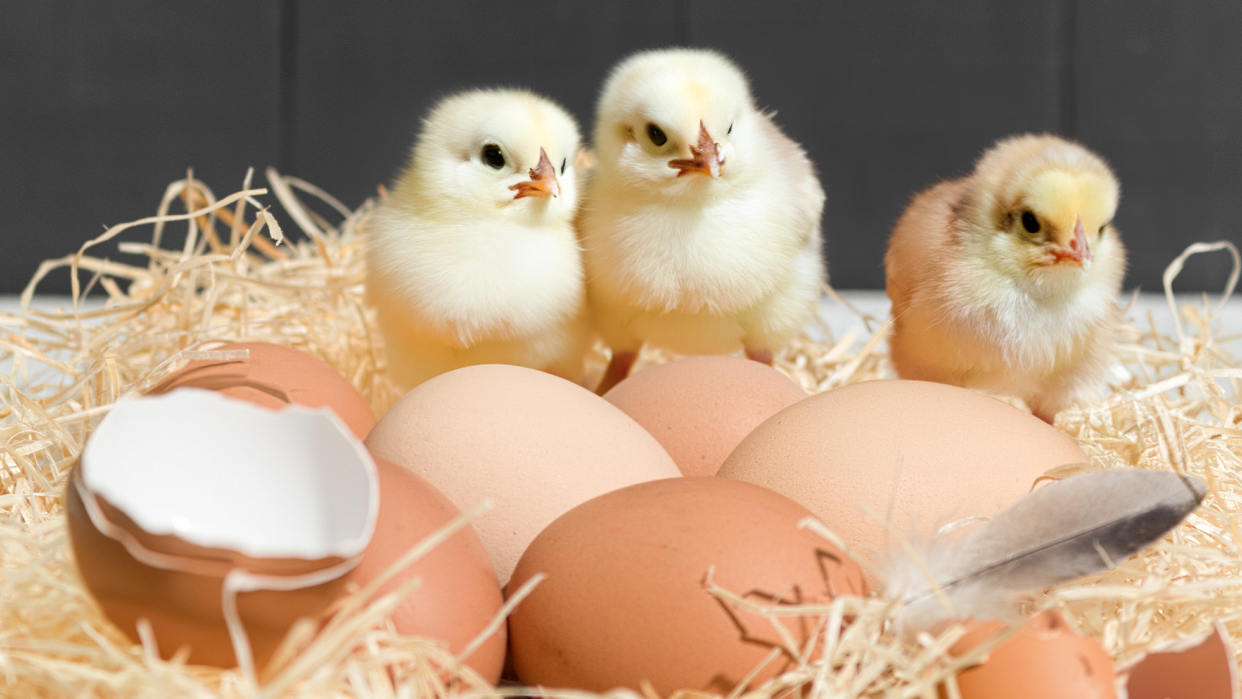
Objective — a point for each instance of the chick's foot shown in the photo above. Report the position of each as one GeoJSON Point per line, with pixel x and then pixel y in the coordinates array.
{"type": "Point", "coordinates": [618, 368]}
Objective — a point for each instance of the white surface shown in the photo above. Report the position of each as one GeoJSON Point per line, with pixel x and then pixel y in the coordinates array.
{"type": "Point", "coordinates": [13, 304]}
{"type": "Point", "coordinates": [220, 472]}
{"type": "Point", "coordinates": [841, 320]}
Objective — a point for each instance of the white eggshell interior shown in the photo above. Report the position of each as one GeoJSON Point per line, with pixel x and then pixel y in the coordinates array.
{"type": "Point", "coordinates": [220, 472]}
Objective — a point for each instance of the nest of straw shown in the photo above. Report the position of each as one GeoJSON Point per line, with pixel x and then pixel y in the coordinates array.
{"type": "Point", "coordinates": [230, 280]}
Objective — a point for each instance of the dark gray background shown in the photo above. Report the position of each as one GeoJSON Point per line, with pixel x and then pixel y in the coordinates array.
{"type": "Point", "coordinates": [103, 104]}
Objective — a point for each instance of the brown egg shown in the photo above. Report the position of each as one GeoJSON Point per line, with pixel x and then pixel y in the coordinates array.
{"type": "Point", "coordinates": [937, 453]}
{"type": "Point", "coordinates": [457, 595]}
{"type": "Point", "coordinates": [536, 444]}
{"type": "Point", "coordinates": [1204, 670]}
{"type": "Point", "coordinates": [625, 599]}
{"type": "Point", "coordinates": [1045, 659]}
{"type": "Point", "coordinates": [699, 408]}
{"type": "Point", "coordinates": [273, 377]}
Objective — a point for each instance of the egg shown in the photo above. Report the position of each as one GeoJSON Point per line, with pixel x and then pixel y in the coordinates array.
{"type": "Point", "coordinates": [929, 452]}
{"type": "Point", "coordinates": [535, 444]}
{"type": "Point", "coordinates": [274, 376]}
{"type": "Point", "coordinates": [699, 408]}
{"type": "Point", "coordinates": [457, 594]}
{"type": "Point", "coordinates": [626, 601]}
{"type": "Point", "coordinates": [186, 506]}
{"type": "Point", "coordinates": [1045, 659]}
{"type": "Point", "coordinates": [1204, 668]}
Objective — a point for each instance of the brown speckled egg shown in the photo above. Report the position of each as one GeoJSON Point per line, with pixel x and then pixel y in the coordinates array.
{"type": "Point", "coordinates": [536, 444]}
{"type": "Point", "coordinates": [274, 376]}
{"type": "Point", "coordinates": [699, 408]}
{"type": "Point", "coordinates": [1045, 659]}
{"type": "Point", "coordinates": [937, 453]}
{"type": "Point", "coordinates": [457, 595]}
{"type": "Point", "coordinates": [625, 600]}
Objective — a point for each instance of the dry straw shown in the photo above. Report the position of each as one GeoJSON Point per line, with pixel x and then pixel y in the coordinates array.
{"type": "Point", "coordinates": [231, 279]}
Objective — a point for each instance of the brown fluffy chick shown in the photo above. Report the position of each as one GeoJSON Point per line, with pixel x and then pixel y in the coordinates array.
{"type": "Point", "coordinates": [1007, 280]}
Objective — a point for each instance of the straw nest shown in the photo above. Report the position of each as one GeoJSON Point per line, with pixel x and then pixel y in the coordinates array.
{"type": "Point", "coordinates": [230, 279]}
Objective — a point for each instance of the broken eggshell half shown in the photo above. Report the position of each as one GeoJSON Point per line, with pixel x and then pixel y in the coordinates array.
{"type": "Point", "coordinates": [1044, 659]}
{"type": "Point", "coordinates": [1205, 667]}
{"type": "Point", "coordinates": [219, 522]}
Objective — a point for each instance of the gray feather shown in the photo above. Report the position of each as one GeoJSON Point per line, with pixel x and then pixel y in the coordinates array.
{"type": "Point", "coordinates": [1071, 528]}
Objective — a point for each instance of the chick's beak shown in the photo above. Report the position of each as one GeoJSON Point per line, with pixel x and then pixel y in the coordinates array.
{"type": "Point", "coordinates": [1077, 250]}
{"type": "Point", "coordinates": [543, 182]}
{"type": "Point", "coordinates": [706, 158]}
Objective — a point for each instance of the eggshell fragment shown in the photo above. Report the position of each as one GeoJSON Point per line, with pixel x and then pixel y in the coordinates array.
{"type": "Point", "coordinates": [937, 453]}
{"type": "Point", "coordinates": [699, 408]}
{"type": "Point", "coordinates": [1045, 659]}
{"type": "Point", "coordinates": [534, 443]}
{"type": "Point", "coordinates": [274, 376]}
{"type": "Point", "coordinates": [457, 594]}
{"type": "Point", "coordinates": [626, 598]}
{"type": "Point", "coordinates": [1207, 669]}
{"type": "Point", "coordinates": [184, 608]}
{"type": "Point", "coordinates": [184, 503]}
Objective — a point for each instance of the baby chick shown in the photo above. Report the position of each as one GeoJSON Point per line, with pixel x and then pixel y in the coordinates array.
{"type": "Point", "coordinates": [473, 258]}
{"type": "Point", "coordinates": [700, 229]}
{"type": "Point", "coordinates": [1007, 280]}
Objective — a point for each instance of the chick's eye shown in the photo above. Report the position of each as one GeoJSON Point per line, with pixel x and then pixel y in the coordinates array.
{"type": "Point", "coordinates": [730, 129]}
{"type": "Point", "coordinates": [1029, 222]}
{"type": "Point", "coordinates": [563, 161]}
{"type": "Point", "coordinates": [1102, 228]}
{"type": "Point", "coordinates": [656, 135]}
{"type": "Point", "coordinates": [492, 156]}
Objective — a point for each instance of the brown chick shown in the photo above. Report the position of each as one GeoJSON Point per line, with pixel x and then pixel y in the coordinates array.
{"type": "Point", "coordinates": [1007, 280]}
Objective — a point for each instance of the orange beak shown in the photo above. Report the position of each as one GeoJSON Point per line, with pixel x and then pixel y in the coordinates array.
{"type": "Point", "coordinates": [543, 182]}
{"type": "Point", "coordinates": [1077, 251]}
{"type": "Point", "coordinates": [706, 158]}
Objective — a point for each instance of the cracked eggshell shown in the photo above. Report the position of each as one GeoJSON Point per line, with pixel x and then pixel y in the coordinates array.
{"type": "Point", "coordinates": [625, 600]}
{"type": "Point", "coordinates": [534, 443]}
{"type": "Point", "coordinates": [175, 492]}
{"type": "Point", "coordinates": [1204, 668]}
{"type": "Point", "coordinates": [457, 595]}
{"type": "Point", "coordinates": [1045, 659]}
{"type": "Point", "coordinates": [699, 408]}
{"type": "Point", "coordinates": [274, 376]}
{"type": "Point", "coordinates": [937, 453]}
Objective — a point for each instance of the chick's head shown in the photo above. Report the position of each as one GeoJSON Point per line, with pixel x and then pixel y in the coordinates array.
{"type": "Point", "coordinates": [1046, 207]}
{"type": "Point", "coordinates": [495, 153]}
{"type": "Point", "coordinates": [676, 121]}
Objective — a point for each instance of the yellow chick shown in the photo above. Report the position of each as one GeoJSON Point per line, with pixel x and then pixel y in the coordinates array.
{"type": "Point", "coordinates": [473, 258]}
{"type": "Point", "coordinates": [1007, 280]}
{"type": "Point", "coordinates": [700, 226]}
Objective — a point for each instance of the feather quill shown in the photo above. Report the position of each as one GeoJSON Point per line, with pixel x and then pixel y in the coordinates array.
{"type": "Point", "coordinates": [1071, 528]}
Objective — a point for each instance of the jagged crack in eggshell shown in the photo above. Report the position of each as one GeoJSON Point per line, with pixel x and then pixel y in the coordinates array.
{"type": "Point", "coordinates": [700, 408]}
{"type": "Point", "coordinates": [274, 376]}
{"type": "Point", "coordinates": [457, 594]}
{"type": "Point", "coordinates": [536, 444]}
{"type": "Point", "coordinates": [1204, 670]}
{"type": "Point", "coordinates": [1045, 659]}
{"type": "Point", "coordinates": [219, 472]}
{"type": "Point", "coordinates": [937, 453]}
{"type": "Point", "coordinates": [625, 600]}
